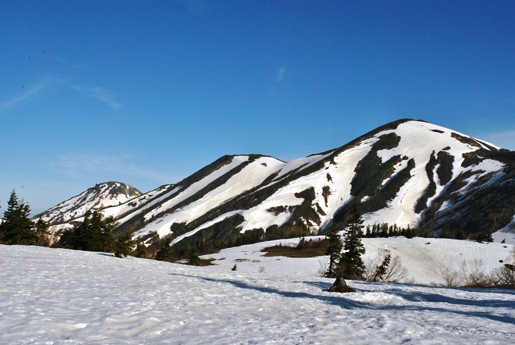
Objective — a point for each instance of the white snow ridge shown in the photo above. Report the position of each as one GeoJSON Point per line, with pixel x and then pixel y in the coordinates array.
{"type": "Point", "coordinates": [56, 296]}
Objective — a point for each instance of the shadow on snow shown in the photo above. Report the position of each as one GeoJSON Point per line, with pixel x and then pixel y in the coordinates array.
{"type": "Point", "coordinates": [411, 296]}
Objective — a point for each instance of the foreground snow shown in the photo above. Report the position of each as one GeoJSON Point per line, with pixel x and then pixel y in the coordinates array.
{"type": "Point", "coordinates": [54, 296]}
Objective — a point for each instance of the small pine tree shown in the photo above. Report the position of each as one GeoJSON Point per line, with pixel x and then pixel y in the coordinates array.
{"type": "Point", "coordinates": [42, 233]}
{"type": "Point", "coordinates": [141, 249]}
{"type": "Point", "coordinates": [165, 253]}
{"type": "Point", "coordinates": [302, 244]}
{"type": "Point", "coordinates": [123, 245]}
{"type": "Point", "coordinates": [381, 269]}
{"type": "Point", "coordinates": [109, 242]}
{"type": "Point", "coordinates": [333, 250]}
{"type": "Point", "coordinates": [17, 227]}
{"type": "Point", "coordinates": [351, 265]}
{"type": "Point", "coordinates": [98, 239]}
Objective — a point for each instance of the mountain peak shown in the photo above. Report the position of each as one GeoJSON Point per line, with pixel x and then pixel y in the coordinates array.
{"type": "Point", "coordinates": [407, 172]}
{"type": "Point", "coordinates": [95, 198]}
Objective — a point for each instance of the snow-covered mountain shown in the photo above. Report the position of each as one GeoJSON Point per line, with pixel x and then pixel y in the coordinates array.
{"type": "Point", "coordinates": [409, 173]}
{"type": "Point", "coordinates": [95, 198]}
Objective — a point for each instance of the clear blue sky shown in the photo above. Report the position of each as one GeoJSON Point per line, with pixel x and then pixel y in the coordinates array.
{"type": "Point", "coordinates": [148, 92]}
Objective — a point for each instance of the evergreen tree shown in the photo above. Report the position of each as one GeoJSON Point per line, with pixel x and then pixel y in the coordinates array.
{"type": "Point", "coordinates": [67, 239]}
{"type": "Point", "coordinates": [17, 227]}
{"type": "Point", "coordinates": [109, 244]}
{"type": "Point", "coordinates": [93, 234]}
{"type": "Point", "coordinates": [381, 269]}
{"type": "Point", "coordinates": [98, 240]}
{"type": "Point", "coordinates": [79, 238]}
{"type": "Point", "coordinates": [141, 249]}
{"type": "Point", "coordinates": [42, 232]}
{"type": "Point", "coordinates": [165, 253]}
{"type": "Point", "coordinates": [333, 250]}
{"type": "Point", "coordinates": [351, 265]}
{"type": "Point", "coordinates": [123, 245]}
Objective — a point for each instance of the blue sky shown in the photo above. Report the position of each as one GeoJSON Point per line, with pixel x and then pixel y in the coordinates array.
{"type": "Point", "coordinates": [148, 92]}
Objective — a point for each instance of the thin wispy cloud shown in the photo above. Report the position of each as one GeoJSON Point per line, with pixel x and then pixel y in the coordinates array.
{"type": "Point", "coordinates": [195, 7]}
{"type": "Point", "coordinates": [280, 75]}
{"type": "Point", "coordinates": [98, 93]}
{"type": "Point", "coordinates": [18, 99]}
{"type": "Point", "coordinates": [78, 164]}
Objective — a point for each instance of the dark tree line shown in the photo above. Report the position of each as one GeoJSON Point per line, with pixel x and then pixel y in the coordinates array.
{"type": "Point", "coordinates": [385, 230]}
{"type": "Point", "coordinates": [96, 234]}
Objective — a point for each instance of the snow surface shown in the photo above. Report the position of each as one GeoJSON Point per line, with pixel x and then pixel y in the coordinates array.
{"type": "Point", "coordinates": [56, 296]}
{"type": "Point", "coordinates": [425, 259]}
{"type": "Point", "coordinates": [506, 234]}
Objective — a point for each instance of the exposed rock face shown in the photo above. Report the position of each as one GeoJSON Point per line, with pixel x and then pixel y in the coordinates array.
{"type": "Point", "coordinates": [340, 285]}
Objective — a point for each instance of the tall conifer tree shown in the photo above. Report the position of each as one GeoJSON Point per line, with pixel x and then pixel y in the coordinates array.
{"type": "Point", "coordinates": [17, 227]}
{"type": "Point", "coordinates": [351, 265]}
{"type": "Point", "coordinates": [42, 232]}
{"type": "Point", "coordinates": [333, 250]}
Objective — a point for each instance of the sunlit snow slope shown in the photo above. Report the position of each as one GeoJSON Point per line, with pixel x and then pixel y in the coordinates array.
{"type": "Point", "coordinates": [409, 173]}
{"type": "Point", "coordinates": [95, 198]}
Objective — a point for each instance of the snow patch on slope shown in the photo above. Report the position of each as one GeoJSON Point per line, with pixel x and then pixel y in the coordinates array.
{"type": "Point", "coordinates": [136, 203]}
{"type": "Point", "coordinates": [336, 176]}
{"type": "Point", "coordinates": [204, 226]}
{"type": "Point", "coordinates": [301, 164]}
{"type": "Point", "coordinates": [250, 176]}
{"type": "Point", "coordinates": [418, 141]}
{"type": "Point", "coordinates": [197, 186]}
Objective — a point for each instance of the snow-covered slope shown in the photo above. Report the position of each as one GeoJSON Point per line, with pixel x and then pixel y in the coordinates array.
{"type": "Point", "coordinates": [409, 173]}
{"type": "Point", "coordinates": [416, 162]}
{"type": "Point", "coordinates": [95, 198]}
{"type": "Point", "coordinates": [252, 174]}
{"type": "Point", "coordinates": [506, 234]}
{"type": "Point", "coordinates": [425, 261]}
{"type": "Point", "coordinates": [56, 296]}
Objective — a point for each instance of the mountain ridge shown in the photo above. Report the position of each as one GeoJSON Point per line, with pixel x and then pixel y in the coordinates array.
{"type": "Point", "coordinates": [407, 172]}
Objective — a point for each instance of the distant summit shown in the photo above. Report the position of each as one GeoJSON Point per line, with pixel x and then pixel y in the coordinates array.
{"type": "Point", "coordinates": [98, 197]}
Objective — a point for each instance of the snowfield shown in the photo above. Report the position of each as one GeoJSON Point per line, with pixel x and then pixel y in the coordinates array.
{"type": "Point", "coordinates": [56, 296]}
